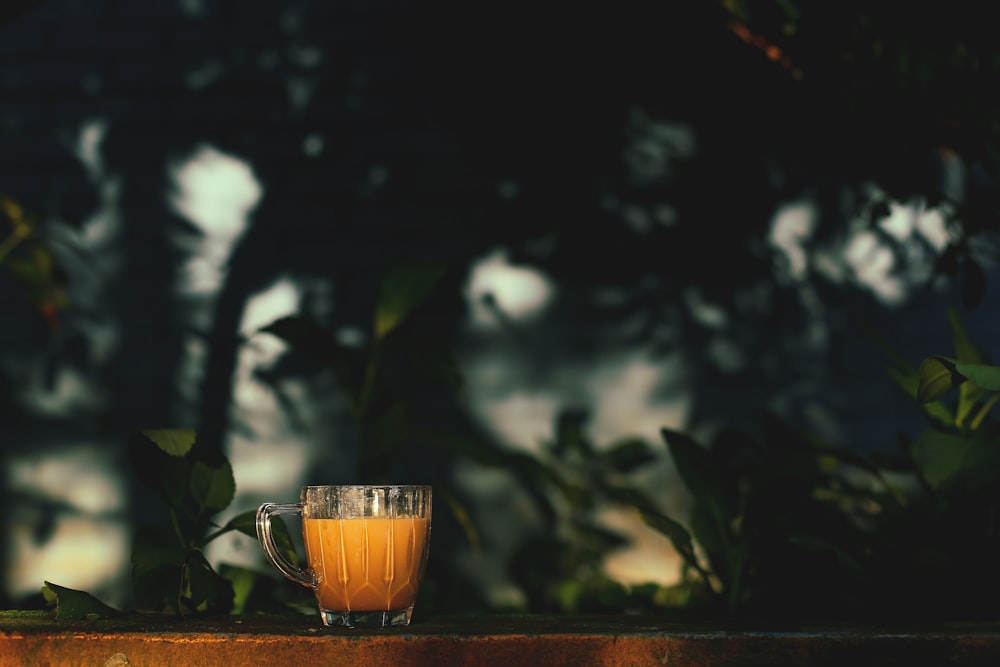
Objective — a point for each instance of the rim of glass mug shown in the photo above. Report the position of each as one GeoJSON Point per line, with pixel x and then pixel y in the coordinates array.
{"type": "Point", "coordinates": [359, 493]}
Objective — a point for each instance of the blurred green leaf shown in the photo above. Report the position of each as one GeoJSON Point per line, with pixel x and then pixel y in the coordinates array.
{"type": "Point", "coordinates": [242, 580]}
{"type": "Point", "coordinates": [908, 380]}
{"type": "Point", "coordinates": [970, 393]}
{"type": "Point", "coordinates": [612, 594]}
{"type": "Point", "coordinates": [675, 532]}
{"type": "Point", "coordinates": [701, 475]}
{"type": "Point", "coordinates": [568, 594]}
{"type": "Point", "coordinates": [74, 605]}
{"type": "Point", "coordinates": [969, 396]}
{"type": "Point", "coordinates": [206, 590]}
{"type": "Point", "coordinates": [603, 539]}
{"type": "Point", "coordinates": [164, 473]}
{"type": "Point", "coordinates": [402, 291]}
{"type": "Point", "coordinates": [257, 592]}
{"type": "Point", "coordinates": [175, 442]}
{"type": "Point", "coordinates": [152, 552]}
{"type": "Point", "coordinates": [245, 522]}
{"type": "Point", "coordinates": [986, 376]}
{"type": "Point", "coordinates": [157, 563]}
{"type": "Point", "coordinates": [628, 496]}
{"type": "Point", "coordinates": [175, 476]}
{"type": "Point", "coordinates": [948, 461]}
{"type": "Point", "coordinates": [627, 456]}
{"type": "Point", "coordinates": [937, 377]}
{"type": "Point", "coordinates": [712, 536]}
{"type": "Point", "coordinates": [213, 488]}
{"type": "Point", "coordinates": [938, 413]}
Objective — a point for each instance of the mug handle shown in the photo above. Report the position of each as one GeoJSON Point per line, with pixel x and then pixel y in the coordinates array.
{"type": "Point", "coordinates": [266, 538]}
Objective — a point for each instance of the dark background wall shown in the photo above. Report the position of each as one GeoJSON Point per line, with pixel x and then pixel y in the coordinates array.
{"type": "Point", "coordinates": [627, 155]}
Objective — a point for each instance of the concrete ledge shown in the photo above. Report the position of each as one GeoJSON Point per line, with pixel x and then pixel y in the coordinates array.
{"type": "Point", "coordinates": [621, 641]}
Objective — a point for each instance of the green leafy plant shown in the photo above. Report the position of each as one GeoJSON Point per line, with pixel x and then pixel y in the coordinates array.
{"type": "Point", "coordinates": [169, 569]}
{"type": "Point", "coordinates": [561, 568]}
{"type": "Point", "coordinates": [770, 524]}
{"type": "Point", "coordinates": [404, 361]}
{"type": "Point", "coordinates": [787, 526]}
{"type": "Point", "coordinates": [170, 573]}
{"type": "Point", "coordinates": [964, 451]}
{"type": "Point", "coordinates": [783, 524]}
{"type": "Point", "coordinates": [956, 460]}
{"type": "Point", "coordinates": [191, 484]}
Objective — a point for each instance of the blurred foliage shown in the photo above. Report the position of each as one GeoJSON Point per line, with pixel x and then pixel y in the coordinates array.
{"type": "Point", "coordinates": [785, 527]}
{"type": "Point", "coordinates": [70, 604]}
{"type": "Point", "coordinates": [561, 569]}
{"type": "Point", "coordinates": [26, 255]}
{"type": "Point", "coordinates": [791, 527]}
{"type": "Point", "coordinates": [170, 573]}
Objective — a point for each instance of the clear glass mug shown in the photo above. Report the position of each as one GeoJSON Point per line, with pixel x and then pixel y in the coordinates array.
{"type": "Point", "coordinates": [366, 550]}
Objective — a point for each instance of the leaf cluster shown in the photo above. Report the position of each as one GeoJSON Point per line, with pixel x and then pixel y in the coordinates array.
{"type": "Point", "coordinates": [960, 452]}
{"type": "Point", "coordinates": [786, 526]}
{"type": "Point", "coordinates": [170, 572]}
{"type": "Point", "coordinates": [778, 521]}
{"type": "Point", "coordinates": [169, 568]}
{"type": "Point", "coordinates": [561, 569]}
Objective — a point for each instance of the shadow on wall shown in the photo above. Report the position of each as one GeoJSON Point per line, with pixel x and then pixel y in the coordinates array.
{"type": "Point", "coordinates": [178, 130]}
{"type": "Point", "coordinates": [246, 164]}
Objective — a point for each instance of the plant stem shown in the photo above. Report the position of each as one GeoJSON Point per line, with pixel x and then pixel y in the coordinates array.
{"type": "Point", "coordinates": [177, 529]}
{"type": "Point", "coordinates": [981, 415]}
{"type": "Point", "coordinates": [218, 533]}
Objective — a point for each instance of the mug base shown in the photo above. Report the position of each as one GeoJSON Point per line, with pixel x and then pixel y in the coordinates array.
{"type": "Point", "coordinates": [366, 619]}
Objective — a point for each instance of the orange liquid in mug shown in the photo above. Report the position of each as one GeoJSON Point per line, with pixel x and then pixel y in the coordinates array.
{"type": "Point", "coordinates": [368, 564]}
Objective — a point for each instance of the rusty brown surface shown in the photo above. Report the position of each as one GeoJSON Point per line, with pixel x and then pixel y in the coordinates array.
{"type": "Point", "coordinates": [478, 641]}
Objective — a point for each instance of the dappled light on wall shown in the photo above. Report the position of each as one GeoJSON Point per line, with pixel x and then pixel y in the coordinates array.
{"type": "Point", "coordinates": [898, 256]}
{"type": "Point", "coordinates": [500, 292]}
{"type": "Point", "coordinates": [891, 259]}
{"type": "Point", "coordinates": [67, 519]}
{"type": "Point", "coordinates": [216, 193]}
{"type": "Point", "coordinates": [522, 367]}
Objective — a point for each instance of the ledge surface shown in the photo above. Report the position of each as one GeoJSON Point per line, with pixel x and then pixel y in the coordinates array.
{"type": "Point", "coordinates": [622, 641]}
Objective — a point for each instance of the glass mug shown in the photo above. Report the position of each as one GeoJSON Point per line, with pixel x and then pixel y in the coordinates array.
{"type": "Point", "coordinates": [366, 550]}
